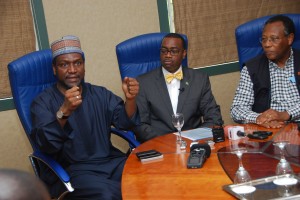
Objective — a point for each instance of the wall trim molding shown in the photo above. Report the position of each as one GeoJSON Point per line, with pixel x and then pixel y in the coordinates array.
{"type": "Point", "coordinates": [43, 43]}
{"type": "Point", "coordinates": [42, 40]}
{"type": "Point", "coordinates": [7, 104]}
{"type": "Point", "coordinates": [162, 8]}
{"type": "Point", "coordinates": [40, 24]}
{"type": "Point", "coordinates": [224, 68]}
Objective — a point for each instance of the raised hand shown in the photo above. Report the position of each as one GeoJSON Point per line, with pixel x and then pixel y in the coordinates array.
{"type": "Point", "coordinates": [73, 99]}
{"type": "Point", "coordinates": [130, 87]}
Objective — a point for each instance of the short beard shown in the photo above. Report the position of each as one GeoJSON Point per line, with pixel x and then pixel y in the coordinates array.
{"type": "Point", "coordinates": [67, 87]}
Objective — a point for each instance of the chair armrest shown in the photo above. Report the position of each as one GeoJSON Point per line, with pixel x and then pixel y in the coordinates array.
{"type": "Point", "coordinates": [53, 165]}
{"type": "Point", "coordinates": [128, 136]}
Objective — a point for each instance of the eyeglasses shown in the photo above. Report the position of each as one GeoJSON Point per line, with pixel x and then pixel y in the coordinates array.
{"type": "Point", "coordinates": [273, 40]}
{"type": "Point", "coordinates": [173, 52]}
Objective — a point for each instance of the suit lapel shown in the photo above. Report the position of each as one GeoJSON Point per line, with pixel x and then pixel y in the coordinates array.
{"type": "Point", "coordinates": [185, 89]}
{"type": "Point", "coordinates": [163, 91]}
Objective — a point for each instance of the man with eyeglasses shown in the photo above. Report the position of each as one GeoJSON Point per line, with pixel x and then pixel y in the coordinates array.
{"type": "Point", "coordinates": [268, 92]}
{"type": "Point", "coordinates": [171, 89]}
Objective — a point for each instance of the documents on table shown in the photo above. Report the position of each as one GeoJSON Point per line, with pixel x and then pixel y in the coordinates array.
{"type": "Point", "coordinates": [197, 134]}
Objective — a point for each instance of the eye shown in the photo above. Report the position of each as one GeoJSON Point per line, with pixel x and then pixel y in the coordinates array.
{"type": "Point", "coordinates": [78, 63]}
{"type": "Point", "coordinates": [63, 65]}
{"type": "Point", "coordinates": [274, 39]}
{"type": "Point", "coordinates": [264, 39]}
{"type": "Point", "coordinates": [174, 51]}
{"type": "Point", "coordinates": [163, 51]}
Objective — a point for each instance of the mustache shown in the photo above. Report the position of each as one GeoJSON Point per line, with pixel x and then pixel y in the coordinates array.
{"type": "Point", "coordinates": [72, 76]}
{"type": "Point", "coordinates": [69, 87]}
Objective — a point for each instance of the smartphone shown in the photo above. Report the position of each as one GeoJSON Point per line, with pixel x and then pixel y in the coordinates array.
{"type": "Point", "coordinates": [257, 136]}
{"type": "Point", "coordinates": [149, 155]}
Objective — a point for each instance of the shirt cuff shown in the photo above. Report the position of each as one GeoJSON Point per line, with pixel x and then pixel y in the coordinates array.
{"type": "Point", "coordinates": [294, 112]}
{"type": "Point", "coordinates": [252, 117]}
{"type": "Point", "coordinates": [290, 114]}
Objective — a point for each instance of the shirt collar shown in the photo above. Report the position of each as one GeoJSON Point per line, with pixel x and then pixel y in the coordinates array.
{"type": "Point", "coordinates": [165, 72]}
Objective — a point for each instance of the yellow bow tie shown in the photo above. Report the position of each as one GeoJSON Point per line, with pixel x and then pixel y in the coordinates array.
{"type": "Point", "coordinates": [170, 77]}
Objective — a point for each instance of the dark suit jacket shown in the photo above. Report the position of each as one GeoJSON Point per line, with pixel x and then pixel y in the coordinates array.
{"type": "Point", "coordinates": [195, 101]}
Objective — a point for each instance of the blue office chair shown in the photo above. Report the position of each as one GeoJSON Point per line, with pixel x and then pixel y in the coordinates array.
{"type": "Point", "coordinates": [30, 75]}
{"type": "Point", "coordinates": [248, 34]}
{"type": "Point", "coordinates": [141, 54]}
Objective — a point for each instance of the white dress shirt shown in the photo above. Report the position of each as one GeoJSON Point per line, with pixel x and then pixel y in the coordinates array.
{"type": "Point", "coordinates": [173, 89]}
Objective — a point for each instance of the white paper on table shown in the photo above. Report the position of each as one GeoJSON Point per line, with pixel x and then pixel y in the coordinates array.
{"type": "Point", "coordinates": [197, 134]}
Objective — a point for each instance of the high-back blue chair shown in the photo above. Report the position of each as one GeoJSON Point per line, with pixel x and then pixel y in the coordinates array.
{"type": "Point", "coordinates": [30, 75]}
{"type": "Point", "coordinates": [248, 34]}
{"type": "Point", "coordinates": [141, 54]}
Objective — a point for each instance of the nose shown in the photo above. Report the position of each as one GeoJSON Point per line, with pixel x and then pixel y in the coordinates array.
{"type": "Point", "coordinates": [267, 43]}
{"type": "Point", "coordinates": [72, 68]}
{"type": "Point", "coordinates": [168, 54]}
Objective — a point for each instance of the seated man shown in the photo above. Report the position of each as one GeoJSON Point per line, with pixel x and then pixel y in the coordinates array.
{"type": "Point", "coordinates": [72, 120]}
{"type": "Point", "coordinates": [20, 185]}
{"type": "Point", "coordinates": [268, 92]}
{"type": "Point", "coordinates": [189, 93]}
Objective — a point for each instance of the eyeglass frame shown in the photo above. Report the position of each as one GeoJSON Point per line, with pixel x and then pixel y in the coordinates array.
{"type": "Point", "coordinates": [172, 51]}
{"type": "Point", "coordinates": [273, 40]}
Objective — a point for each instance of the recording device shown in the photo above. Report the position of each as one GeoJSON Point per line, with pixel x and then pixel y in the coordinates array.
{"type": "Point", "coordinates": [198, 155]}
{"type": "Point", "coordinates": [233, 132]}
{"type": "Point", "coordinates": [258, 135]}
{"type": "Point", "coordinates": [218, 134]}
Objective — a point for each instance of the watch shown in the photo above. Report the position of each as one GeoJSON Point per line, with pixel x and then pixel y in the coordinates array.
{"type": "Point", "coordinates": [60, 115]}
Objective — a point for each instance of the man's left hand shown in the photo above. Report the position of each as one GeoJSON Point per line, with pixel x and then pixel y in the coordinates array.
{"type": "Point", "coordinates": [272, 115]}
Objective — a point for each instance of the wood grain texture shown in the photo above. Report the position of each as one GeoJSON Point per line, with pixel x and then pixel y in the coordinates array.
{"type": "Point", "coordinates": [169, 177]}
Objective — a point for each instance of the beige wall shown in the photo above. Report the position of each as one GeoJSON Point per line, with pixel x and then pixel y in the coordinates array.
{"type": "Point", "coordinates": [14, 145]}
{"type": "Point", "coordinates": [223, 87]}
{"type": "Point", "coordinates": [101, 25]}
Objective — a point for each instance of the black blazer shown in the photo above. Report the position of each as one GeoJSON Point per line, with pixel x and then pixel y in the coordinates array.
{"type": "Point", "coordinates": [196, 102]}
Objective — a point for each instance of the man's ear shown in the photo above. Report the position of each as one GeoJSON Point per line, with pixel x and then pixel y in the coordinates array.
{"type": "Point", "coordinates": [184, 54]}
{"type": "Point", "coordinates": [291, 38]}
{"type": "Point", "coordinates": [54, 69]}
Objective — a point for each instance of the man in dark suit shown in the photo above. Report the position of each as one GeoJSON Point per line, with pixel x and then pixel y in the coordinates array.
{"type": "Point", "coordinates": [189, 92]}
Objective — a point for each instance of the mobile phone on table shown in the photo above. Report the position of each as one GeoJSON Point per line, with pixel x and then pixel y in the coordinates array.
{"type": "Point", "coordinates": [149, 155]}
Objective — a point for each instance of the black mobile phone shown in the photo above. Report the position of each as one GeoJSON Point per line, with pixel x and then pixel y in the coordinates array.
{"type": "Point", "coordinates": [268, 133]}
{"type": "Point", "coordinates": [145, 153]}
{"type": "Point", "coordinates": [149, 155]}
{"type": "Point", "coordinates": [257, 136]}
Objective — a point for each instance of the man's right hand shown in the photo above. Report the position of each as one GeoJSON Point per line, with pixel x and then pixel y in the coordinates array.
{"type": "Point", "coordinates": [73, 99]}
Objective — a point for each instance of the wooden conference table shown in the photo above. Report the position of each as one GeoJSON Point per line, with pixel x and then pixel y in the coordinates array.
{"type": "Point", "coordinates": [169, 178]}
